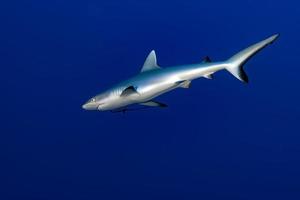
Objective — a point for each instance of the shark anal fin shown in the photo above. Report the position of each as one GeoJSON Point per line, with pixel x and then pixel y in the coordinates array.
{"type": "Point", "coordinates": [129, 91]}
{"type": "Point", "coordinates": [154, 104]}
{"type": "Point", "coordinates": [208, 76]}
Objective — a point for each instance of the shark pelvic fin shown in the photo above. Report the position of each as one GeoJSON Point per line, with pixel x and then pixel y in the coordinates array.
{"type": "Point", "coordinates": [184, 83]}
{"type": "Point", "coordinates": [154, 104]}
{"type": "Point", "coordinates": [150, 62]}
{"type": "Point", "coordinates": [129, 91]}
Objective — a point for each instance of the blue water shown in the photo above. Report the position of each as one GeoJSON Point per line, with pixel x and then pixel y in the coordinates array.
{"type": "Point", "coordinates": [220, 139]}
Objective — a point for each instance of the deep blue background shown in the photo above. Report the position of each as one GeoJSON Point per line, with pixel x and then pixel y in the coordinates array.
{"type": "Point", "coordinates": [221, 139]}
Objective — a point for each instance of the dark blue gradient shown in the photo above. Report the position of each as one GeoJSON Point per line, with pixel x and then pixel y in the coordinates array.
{"type": "Point", "coordinates": [220, 139]}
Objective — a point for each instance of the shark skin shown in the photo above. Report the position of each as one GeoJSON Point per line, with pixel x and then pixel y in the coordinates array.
{"type": "Point", "coordinates": [153, 80]}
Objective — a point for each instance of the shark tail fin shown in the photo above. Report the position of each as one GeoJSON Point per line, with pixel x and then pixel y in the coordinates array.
{"type": "Point", "coordinates": [236, 62]}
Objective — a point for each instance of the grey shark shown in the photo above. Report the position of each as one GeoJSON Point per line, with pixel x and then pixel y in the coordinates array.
{"type": "Point", "coordinates": [153, 80]}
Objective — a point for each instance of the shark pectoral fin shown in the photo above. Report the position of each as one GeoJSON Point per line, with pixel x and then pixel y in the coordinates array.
{"type": "Point", "coordinates": [184, 83]}
{"type": "Point", "coordinates": [208, 76]}
{"type": "Point", "coordinates": [129, 91]}
{"type": "Point", "coordinates": [154, 104]}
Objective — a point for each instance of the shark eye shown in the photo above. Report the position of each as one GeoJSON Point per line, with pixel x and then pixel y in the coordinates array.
{"type": "Point", "coordinates": [93, 100]}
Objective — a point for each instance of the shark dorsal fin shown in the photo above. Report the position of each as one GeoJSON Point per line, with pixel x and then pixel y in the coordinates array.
{"type": "Point", "coordinates": [150, 62]}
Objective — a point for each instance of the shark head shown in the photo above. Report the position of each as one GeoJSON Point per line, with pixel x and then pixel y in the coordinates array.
{"type": "Point", "coordinates": [109, 100]}
{"type": "Point", "coordinates": [99, 102]}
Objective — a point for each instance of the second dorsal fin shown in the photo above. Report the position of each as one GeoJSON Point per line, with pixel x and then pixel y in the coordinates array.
{"type": "Point", "coordinates": [150, 62]}
{"type": "Point", "coordinates": [206, 59]}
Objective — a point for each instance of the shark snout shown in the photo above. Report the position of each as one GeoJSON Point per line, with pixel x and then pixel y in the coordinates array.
{"type": "Point", "coordinates": [90, 106]}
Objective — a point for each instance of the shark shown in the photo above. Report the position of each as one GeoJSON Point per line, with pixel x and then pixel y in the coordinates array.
{"type": "Point", "coordinates": [153, 80]}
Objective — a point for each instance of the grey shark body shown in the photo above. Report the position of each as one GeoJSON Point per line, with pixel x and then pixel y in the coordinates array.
{"type": "Point", "coordinates": [153, 81]}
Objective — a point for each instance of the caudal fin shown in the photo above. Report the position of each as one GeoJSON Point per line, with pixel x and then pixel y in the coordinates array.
{"type": "Point", "coordinates": [236, 62]}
